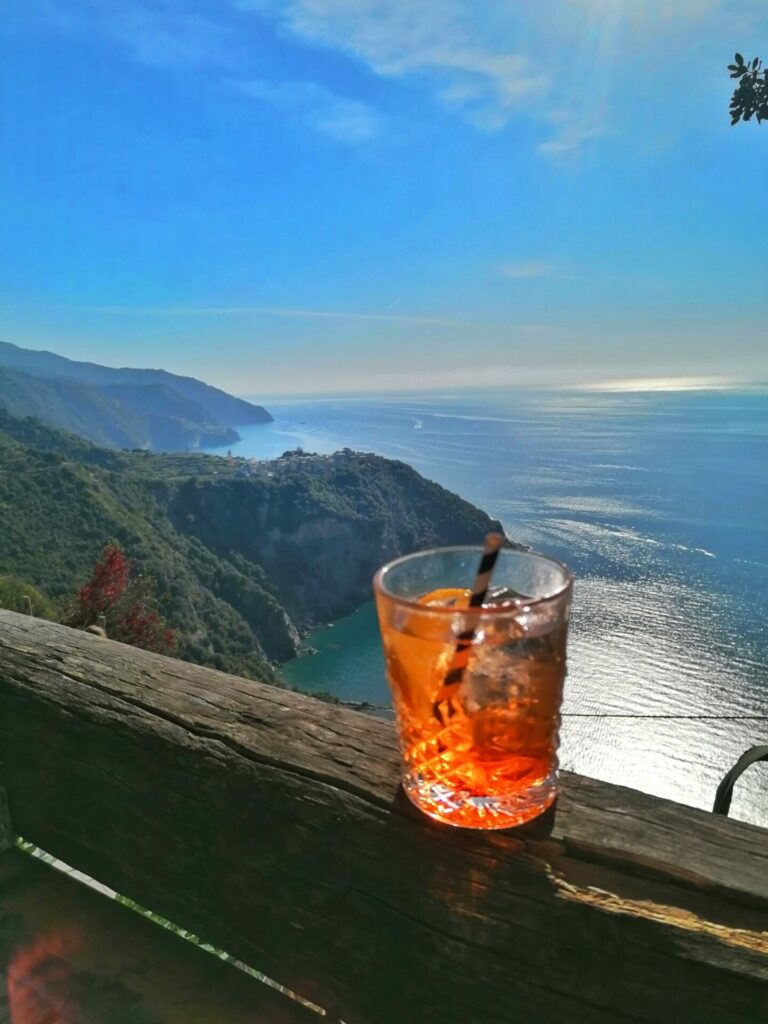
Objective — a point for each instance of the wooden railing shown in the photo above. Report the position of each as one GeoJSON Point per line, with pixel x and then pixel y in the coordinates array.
{"type": "Point", "coordinates": [273, 826]}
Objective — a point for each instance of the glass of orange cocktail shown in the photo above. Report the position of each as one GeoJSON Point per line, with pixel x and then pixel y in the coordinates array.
{"type": "Point", "coordinates": [477, 691]}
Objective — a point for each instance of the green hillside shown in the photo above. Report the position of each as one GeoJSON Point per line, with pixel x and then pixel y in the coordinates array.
{"type": "Point", "coordinates": [246, 561]}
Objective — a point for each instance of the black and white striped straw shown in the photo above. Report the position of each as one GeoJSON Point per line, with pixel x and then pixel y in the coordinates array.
{"type": "Point", "coordinates": [443, 705]}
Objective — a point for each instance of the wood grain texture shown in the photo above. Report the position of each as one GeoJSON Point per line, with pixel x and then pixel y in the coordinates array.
{"type": "Point", "coordinates": [273, 826]}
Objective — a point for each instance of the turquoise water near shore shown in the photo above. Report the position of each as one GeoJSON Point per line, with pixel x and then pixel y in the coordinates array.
{"type": "Point", "coordinates": [659, 503]}
{"type": "Point", "coordinates": [349, 661]}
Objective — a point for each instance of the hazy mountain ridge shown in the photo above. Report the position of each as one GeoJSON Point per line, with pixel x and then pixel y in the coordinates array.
{"type": "Point", "coordinates": [121, 408]}
{"type": "Point", "coordinates": [247, 562]}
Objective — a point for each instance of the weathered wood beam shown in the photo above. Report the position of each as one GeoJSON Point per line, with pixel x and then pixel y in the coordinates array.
{"type": "Point", "coordinates": [273, 825]}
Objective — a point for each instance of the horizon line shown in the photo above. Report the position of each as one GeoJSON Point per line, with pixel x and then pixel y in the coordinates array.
{"type": "Point", "coordinates": [638, 385]}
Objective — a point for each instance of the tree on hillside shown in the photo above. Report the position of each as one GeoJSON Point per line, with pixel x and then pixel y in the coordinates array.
{"type": "Point", "coordinates": [19, 596]}
{"type": "Point", "coordinates": [751, 94]}
{"type": "Point", "coordinates": [124, 602]}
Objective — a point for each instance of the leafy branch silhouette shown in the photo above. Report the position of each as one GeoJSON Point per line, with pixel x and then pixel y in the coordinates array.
{"type": "Point", "coordinates": [751, 94]}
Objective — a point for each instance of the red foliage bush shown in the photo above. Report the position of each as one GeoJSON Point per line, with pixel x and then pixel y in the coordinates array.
{"type": "Point", "coordinates": [123, 601]}
{"type": "Point", "coordinates": [109, 581]}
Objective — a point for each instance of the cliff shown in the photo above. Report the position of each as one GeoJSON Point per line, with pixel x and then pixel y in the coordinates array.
{"type": "Point", "coordinates": [321, 530]}
{"type": "Point", "coordinates": [246, 560]}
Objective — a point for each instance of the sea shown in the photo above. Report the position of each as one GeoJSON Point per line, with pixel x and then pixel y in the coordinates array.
{"type": "Point", "coordinates": [658, 502]}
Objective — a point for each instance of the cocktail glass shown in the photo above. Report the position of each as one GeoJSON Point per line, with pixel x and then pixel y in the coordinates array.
{"type": "Point", "coordinates": [479, 744]}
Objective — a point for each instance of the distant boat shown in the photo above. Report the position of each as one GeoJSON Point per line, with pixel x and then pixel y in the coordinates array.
{"type": "Point", "coordinates": [418, 424]}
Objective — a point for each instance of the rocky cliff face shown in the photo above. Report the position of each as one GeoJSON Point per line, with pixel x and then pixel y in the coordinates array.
{"type": "Point", "coordinates": [319, 535]}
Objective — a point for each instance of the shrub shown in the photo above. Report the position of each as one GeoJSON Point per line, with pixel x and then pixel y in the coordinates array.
{"type": "Point", "coordinates": [124, 601]}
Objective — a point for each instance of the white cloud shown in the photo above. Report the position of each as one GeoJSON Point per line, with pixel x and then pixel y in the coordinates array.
{"type": "Point", "coordinates": [574, 67]}
{"type": "Point", "coordinates": [347, 121]}
{"type": "Point", "coordinates": [484, 81]}
{"type": "Point", "coordinates": [172, 34]}
{"type": "Point", "coordinates": [642, 12]}
{"type": "Point", "coordinates": [528, 269]}
{"type": "Point", "coordinates": [280, 311]}
{"type": "Point", "coordinates": [338, 117]}
{"type": "Point", "coordinates": [570, 139]}
{"type": "Point", "coordinates": [570, 65]}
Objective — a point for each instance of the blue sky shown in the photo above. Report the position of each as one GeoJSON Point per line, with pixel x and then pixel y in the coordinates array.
{"type": "Point", "coordinates": [313, 195]}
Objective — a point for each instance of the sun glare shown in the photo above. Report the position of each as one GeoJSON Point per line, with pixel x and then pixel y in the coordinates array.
{"type": "Point", "coordinates": [665, 384]}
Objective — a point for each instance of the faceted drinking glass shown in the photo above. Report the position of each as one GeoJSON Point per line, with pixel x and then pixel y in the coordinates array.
{"type": "Point", "coordinates": [480, 752]}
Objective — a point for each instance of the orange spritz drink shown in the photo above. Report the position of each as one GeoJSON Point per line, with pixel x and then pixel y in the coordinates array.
{"type": "Point", "coordinates": [479, 746]}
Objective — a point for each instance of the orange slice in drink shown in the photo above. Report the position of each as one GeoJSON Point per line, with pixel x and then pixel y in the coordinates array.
{"type": "Point", "coordinates": [420, 648]}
